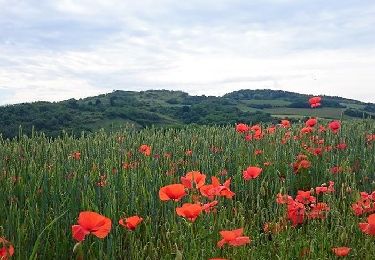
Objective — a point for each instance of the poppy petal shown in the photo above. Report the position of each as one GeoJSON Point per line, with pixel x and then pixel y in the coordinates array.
{"type": "Point", "coordinates": [239, 241]}
{"type": "Point", "coordinates": [371, 219]}
{"type": "Point", "coordinates": [221, 243]}
{"type": "Point", "coordinates": [79, 232]}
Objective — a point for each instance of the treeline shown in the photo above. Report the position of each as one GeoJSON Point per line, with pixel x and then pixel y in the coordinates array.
{"type": "Point", "coordinates": [153, 108]}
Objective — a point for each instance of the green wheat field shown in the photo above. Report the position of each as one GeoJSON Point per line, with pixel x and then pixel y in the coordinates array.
{"type": "Point", "coordinates": [46, 183]}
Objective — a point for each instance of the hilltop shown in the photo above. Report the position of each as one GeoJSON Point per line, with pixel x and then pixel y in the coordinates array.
{"type": "Point", "coordinates": [171, 109]}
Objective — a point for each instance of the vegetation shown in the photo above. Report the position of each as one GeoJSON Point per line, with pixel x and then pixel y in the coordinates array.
{"type": "Point", "coordinates": [169, 108]}
{"type": "Point", "coordinates": [46, 183]}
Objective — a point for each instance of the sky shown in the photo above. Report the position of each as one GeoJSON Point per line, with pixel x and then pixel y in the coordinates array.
{"type": "Point", "coordinates": [61, 49]}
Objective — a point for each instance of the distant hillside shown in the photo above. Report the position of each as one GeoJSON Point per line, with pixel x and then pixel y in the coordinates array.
{"type": "Point", "coordinates": [172, 109]}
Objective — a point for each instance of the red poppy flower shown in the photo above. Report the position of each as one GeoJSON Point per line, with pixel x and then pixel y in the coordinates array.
{"type": "Point", "coordinates": [102, 181]}
{"type": "Point", "coordinates": [208, 207]}
{"type": "Point", "coordinates": [334, 126]}
{"type": "Point", "coordinates": [301, 157]}
{"type": "Point", "coordinates": [324, 189]}
{"type": "Point", "coordinates": [145, 149]}
{"type": "Point", "coordinates": [304, 197]}
{"type": "Point", "coordinates": [248, 137]}
{"type": "Point", "coordinates": [321, 129]}
{"type": "Point", "coordinates": [285, 123]}
{"type": "Point", "coordinates": [256, 128]}
{"type": "Point", "coordinates": [189, 211]}
{"type": "Point", "coordinates": [307, 130]}
{"type": "Point", "coordinates": [357, 209]}
{"type": "Point", "coordinates": [311, 122]}
{"type": "Point", "coordinates": [251, 173]}
{"type": "Point", "coordinates": [303, 164]}
{"type": "Point", "coordinates": [365, 204]}
{"type": "Point", "coordinates": [370, 137]}
{"type": "Point", "coordinates": [318, 211]}
{"type": "Point", "coordinates": [131, 222]}
{"type": "Point", "coordinates": [242, 128]}
{"type": "Point", "coordinates": [76, 155]}
{"type": "Point", "coordinates": [215, 189]}
{"type": "Point", "coordinates": [91, 222]}
{"type": "Point", "coordinates": [258, 135]}
{"type": "Point", "coordinates": [365, 195]}
{"type": "Point", "coordinates": [341, 251]}
{"type": "Point", "coordinates": [316, 151]}
{"type": "Point", "coordinates": [172, 192]}
{"type": "Point", "coordinates": [315, 102]}
{"type": "Point", "coordinates": [193, 177]}
{"type": "Point", "coordinates": [6, 249]}
{"type": "Point", "coordinates": [225, 190]}
{"type": "Point", "coordinates": [369, 227]}
{"type": "Point", "coordinates": [296, 212]}
{"type": "Point", "coordinates": [233, 238]}
{"type": "Point", "coordinates": [271, 129]}
{"type": "Point", "coordinates": [341, 146]}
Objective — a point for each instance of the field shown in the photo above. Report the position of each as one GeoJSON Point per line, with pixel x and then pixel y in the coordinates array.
{"type": "Point", "coordinates": [46, 183]}
{"type": "Point", "coordinates": [327, 112]}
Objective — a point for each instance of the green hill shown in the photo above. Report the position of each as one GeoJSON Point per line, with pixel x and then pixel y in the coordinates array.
{"type": "Point", "coordinates": [172, 109]}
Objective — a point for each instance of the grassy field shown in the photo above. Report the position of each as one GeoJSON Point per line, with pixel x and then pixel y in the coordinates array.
{"type": "Point", "coordinates": [326, 112]}
{"type": "Point", "coordinates": [46, 183]}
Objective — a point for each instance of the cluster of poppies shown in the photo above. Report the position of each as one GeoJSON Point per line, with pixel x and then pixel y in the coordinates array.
{"type": "Point", "coordinates": [365, 204]}
{"type": "Point", "coordinates": [303, 206]}
{"type": "Point", "coordinates": [93, 223]}
{"type": "Point", "coordinates": [195, 180]}
{"type": "Point", "coordinates": [256, 132]}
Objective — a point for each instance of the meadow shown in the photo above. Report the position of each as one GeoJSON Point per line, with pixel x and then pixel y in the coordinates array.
{"type": "Point", "coordinates": [327, 172]}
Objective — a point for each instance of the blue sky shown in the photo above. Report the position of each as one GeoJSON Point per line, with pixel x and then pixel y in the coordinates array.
{"type": "Point", "coordinates": [55, 50]}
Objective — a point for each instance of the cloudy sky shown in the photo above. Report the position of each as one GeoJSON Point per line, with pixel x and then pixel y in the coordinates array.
{"type": "Point", "coordinates": [55, 50]}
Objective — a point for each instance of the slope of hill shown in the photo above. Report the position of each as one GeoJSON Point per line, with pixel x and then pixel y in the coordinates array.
{"type": "Point", "coordinates": [170, 108]}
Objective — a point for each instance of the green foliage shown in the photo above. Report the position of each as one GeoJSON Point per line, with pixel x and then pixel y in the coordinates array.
{"type": "Point", "coordinates": [369, 107]}
{"type": "Point", "coordinates": [356, 113]}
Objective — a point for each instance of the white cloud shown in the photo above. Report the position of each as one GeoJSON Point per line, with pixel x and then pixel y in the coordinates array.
{"type": "Point", "coordinates": [60, 91]}
{"type": "Point", "coordinates": [62, 49]}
